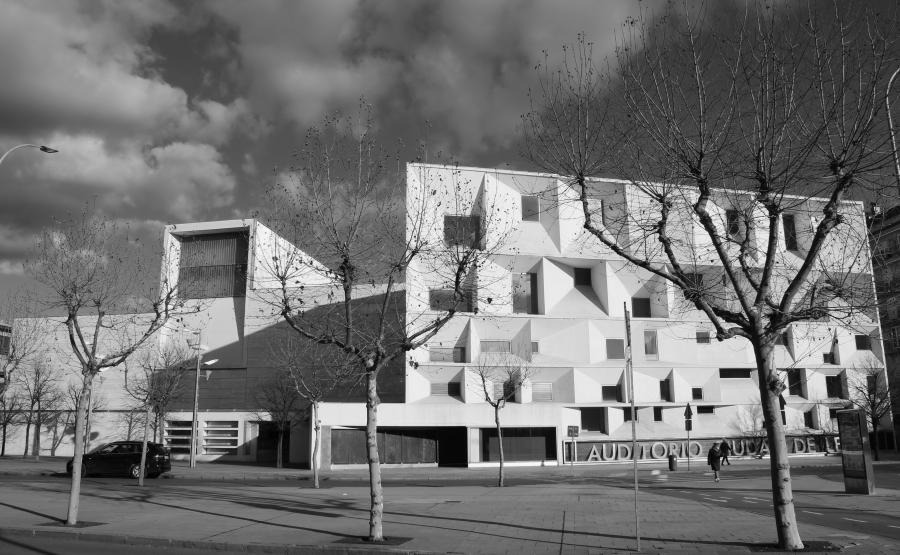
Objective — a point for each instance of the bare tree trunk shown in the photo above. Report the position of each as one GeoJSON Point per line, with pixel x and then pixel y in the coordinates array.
{"type": "Point", "coordinates": [161, 426]}
{"type": "Point", "coordinates": [27, 434]}
{"type": "Point", "coordinates": [376, 515]}
{"type": "Point", "coordinates": [315, 457]}
{"type": "Point", "coordinates": [80, 420]}
{"type": "Point", "coordinates": [499, 442]}
{"type": "Point", "coordinates": [3, 445]}
{"type": "Point", "coordinates": [278, 462]}
{"type": "Point", "coordinates": [36, 448]}
{"type": "Point", "coordinates": [144, 447]}
{"type": "Point", "coordinates": [874, 438]}
{"type": "Point", "coordinates": [780, 468]}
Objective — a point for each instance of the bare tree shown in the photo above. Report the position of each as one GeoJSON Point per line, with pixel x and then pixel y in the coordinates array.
{"type": "Point", "coordinates": [24, 342]}
{"type": "Point", "coordinates": [99, 278]}
{"type": "Point", "coordinates": [361, 229]}
{"type": "Point", "coordinates": [11, 412]}
{"type": "Point", "coordinates": [153, 385]}
{"type": "Point", "coordinates": [279, 402]}
{"type": "Point", "coordinates": [39, 384]}
{"type": "Point", "coordinates": [501, 377]}
{"type": "Point", "coordinates": [316, 373]}
{"type": "Point", "coordinates": [869, 391]}
{"type": "Point", "coordinates": [735, 126]}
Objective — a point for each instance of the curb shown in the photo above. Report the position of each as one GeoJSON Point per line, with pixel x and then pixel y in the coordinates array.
{"type": "Point", "coordinates": [285, 549]}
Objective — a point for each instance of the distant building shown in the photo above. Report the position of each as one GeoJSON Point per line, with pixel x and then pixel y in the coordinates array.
{"type": "Point", "coordinates": [550, 297]}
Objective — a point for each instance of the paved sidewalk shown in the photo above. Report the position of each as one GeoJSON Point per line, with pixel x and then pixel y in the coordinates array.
{"type": "Point", "coordinates": [568, 510]}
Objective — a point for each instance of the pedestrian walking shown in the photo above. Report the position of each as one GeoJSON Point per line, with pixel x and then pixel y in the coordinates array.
{"type": "Point", "coordinates": [725, 450]}
{"type": "Point", "coordinates": [714, 460]}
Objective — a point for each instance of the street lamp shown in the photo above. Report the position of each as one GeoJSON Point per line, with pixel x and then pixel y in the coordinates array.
{"type": "Point", "coordinates": [42, 148]}
{"type": "Point", "coordinates": [195, 424]}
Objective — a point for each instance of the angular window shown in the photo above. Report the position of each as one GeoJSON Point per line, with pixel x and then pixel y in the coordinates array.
{"type": "Point", "coordinates": [495, 347]}
{"type": "Point", "coordinates": [706, 409]}
{"type": "Point", "coordinates": [442, 299]}
{"type": "Point", "coordinates": [651, 349]}
{"type": "Point", "coordinates": [626, 412]}
{"type": "Point", "coordinates": [535, 347]}
{"type": "Point", "coordinates": [531, 209]}
{"type": "Point", "coordinates": [213, 265]}
{"type": "Point", "coordinates": [615, 349]}
{"type": "Point", "coordinates": [542, 392]}
{"type": "Point", "coordinates": [808, 420]}
{"type": "Point", "coordinates": [640, 307]}
{"type": "Point", "coordinates": [871, 384]}
{"type": "Point", "coordinates": [796, 378]}
{"type": "Point", "coordinates": [863, 343]}
{"type": "Point", "coordinates": [790, 232]}
{"type": "Point", "coordinates": [582, 277]}
{"type": "Point", "coordinates": [593, 419]}
{"type": "Point", "coordinates": [657, 414]}
{"type": "Point", "coordinates": [735, 373]}
{"type": "Point", "coordinates": [463, 231]}
{"type": "Point", "coordinates": [451, 389]}
{"type": "Point", "coordinates": [524, 290]}
{"type": "Point", "coordinates": [447, 354]}
{"type": "Point", "coordinates": [697, 393]}
{"type": "Point", "coordinates": [733, 224]}
{"type": "Point", "coordinates": [834, 388]}
{"type": "Point", "coordinates": [611, 393]}
{"type": "Point", "coordinates": [828, 358]}
{"type": "Point", "coordinates": [665, 390]}
{"type": "Point", "coordinates": [703, 338]}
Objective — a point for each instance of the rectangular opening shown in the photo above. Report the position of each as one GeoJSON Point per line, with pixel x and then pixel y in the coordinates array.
{"type": "Point", "coordinates": [535, 347]}
{"type": "Point", "coordinates": [213, 265]}
{"type": "Point", "coordinates": [697, 393]}
{"type": "Point", "coordinates": [733, 224]}
{"type": "Point", "coordinates": [657, 414]}
{"type": "Point", "coordinates": [828, 358]}
{"type": "Point", "coordinates": [495, 347]}
{"type": "Point", "coordinates": [542, 392]}
{"type": "Point", "coordinates": [525, 293]}
{"type": "Point", "coordinates": [651, 349]}
{"type": "Point", "coordinates": [665, 390]}
{"type": "Point", "coordinates": [735, 373]}
{"type": "Point", "coordinates": [593, 419]}
{"type": "Point", "coordinates": [796, 378]}
{"type": "Point", "coordinates": [582, 277]}
{"type": "Point", "coordinates": [833, 387]}
{"type": "Point", "coordinates": [808, 419]}
{"type": "Point", "coordinates": [462, 231]}
{"type": "Point", "coordinates": [451, 389]}
{"type": "Point", "coordinates": [790, 232]}
{"type": "Point", "coordinates": [611, 393]}
{"type": "Point", "coordinates": [615, 349]}
{"type": "Point", "coordinates": [640, 307]}
{"type": "Point", "coordinates": [531, 209]}
{"type": "Point", "coordinates": [863, 343]}
{"type": "Point", "coordinates": [626, 413]}
{"type": "Point", "coordinates": [447, 354]}
{"type": "Point", "coordinates": [443, 299]}
{"type": "Point", "coordinates": [706, 409]}
{"type": "Point", "coordinates": [703, 338]}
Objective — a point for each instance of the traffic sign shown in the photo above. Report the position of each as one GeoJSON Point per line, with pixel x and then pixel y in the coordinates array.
{"type": "Point", "coordinates": [573, 431]}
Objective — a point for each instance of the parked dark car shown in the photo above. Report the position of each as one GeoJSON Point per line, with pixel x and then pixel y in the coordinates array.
{"type": "Point", "coordinates": [123, 458]}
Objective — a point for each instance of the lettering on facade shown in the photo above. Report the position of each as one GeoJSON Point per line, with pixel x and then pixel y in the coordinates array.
{"type": "Point", "coordinates": [598, 451]}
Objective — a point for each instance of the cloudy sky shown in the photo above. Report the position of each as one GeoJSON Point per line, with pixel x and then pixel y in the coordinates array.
{"type": "Point", "coordinates": [167, 112]}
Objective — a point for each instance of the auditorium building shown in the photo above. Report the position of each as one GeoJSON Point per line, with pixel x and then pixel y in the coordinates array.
{"type": "Point", "coordinates": [552, 298]}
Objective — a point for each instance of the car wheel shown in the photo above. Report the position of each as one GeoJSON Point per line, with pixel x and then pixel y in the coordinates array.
{"type": "Point", "coordinates": [135, 471]}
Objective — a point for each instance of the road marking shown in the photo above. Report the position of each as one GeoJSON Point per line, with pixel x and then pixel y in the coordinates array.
{"type": "Point", "coordinates": [813, 513]}
{"type": "Point", "coordinates": [719, 500]}
{"type": "Point", "coordinates": [755, 498]}
{"type": "Point", "coordinates": [854, 520]}
{"type": "Point", "coordinates": [892, 526]}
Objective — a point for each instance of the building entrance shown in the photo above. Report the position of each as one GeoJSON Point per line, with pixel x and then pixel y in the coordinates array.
{"type": "Point", "coordinates": [267, 444]}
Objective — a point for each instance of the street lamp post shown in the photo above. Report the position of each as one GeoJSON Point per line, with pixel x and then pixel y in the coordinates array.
{"type": "Point", "coordinates": [195, 420]}
{"type": "Point", "coordinates": [42, 148]}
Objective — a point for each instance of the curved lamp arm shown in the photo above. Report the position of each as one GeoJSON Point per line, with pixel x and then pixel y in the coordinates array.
{"type": "Point", "coordinates": [42, 148]}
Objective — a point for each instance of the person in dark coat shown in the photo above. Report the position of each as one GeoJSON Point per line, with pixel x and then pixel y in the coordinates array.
{"type": "Point", "coordinates": [725, 450]}
{"type": "Point", "coordinates": [714, 460]}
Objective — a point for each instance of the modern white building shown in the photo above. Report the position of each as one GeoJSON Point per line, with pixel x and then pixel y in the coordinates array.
{"type": "Point", "coordinates": [553, 298]}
